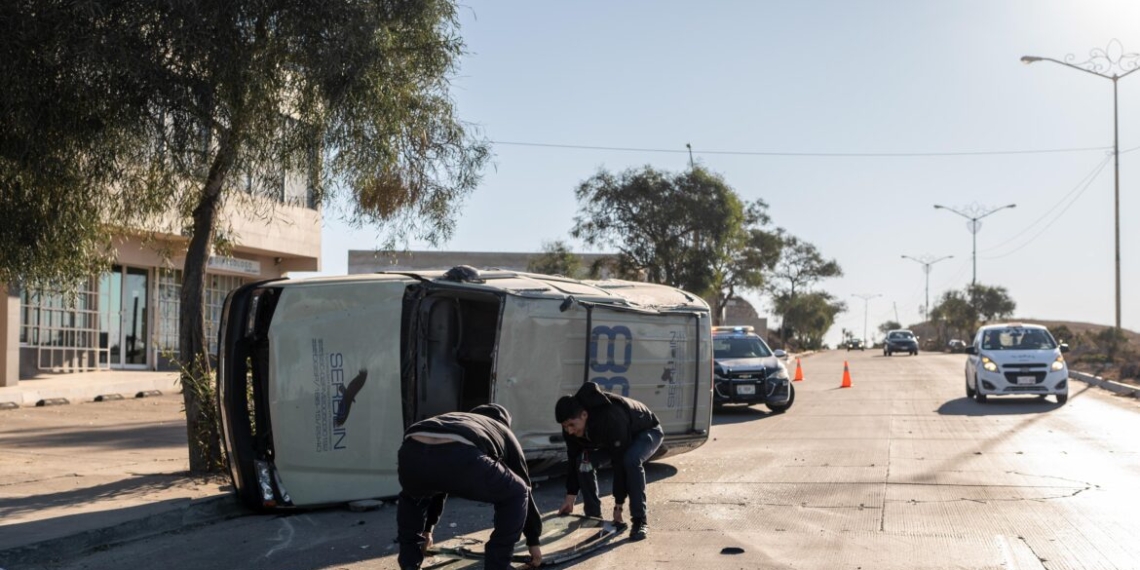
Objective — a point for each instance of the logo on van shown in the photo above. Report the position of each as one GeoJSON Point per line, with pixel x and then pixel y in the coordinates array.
{"type": "Point", "coordinates": [348, 396]}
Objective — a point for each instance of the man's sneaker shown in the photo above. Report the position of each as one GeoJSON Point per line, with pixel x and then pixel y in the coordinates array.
{"type": "Point", "coordinates": [640, 530]}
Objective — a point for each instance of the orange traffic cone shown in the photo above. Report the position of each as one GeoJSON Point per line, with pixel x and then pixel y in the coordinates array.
{"type": "Point", "coordinates": [846, 376]}
{"type": "Point", "coordinates": [799, 372]}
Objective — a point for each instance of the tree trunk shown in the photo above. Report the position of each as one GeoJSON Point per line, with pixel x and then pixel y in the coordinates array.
{"type": "Point", "coordinates": [197, 377]}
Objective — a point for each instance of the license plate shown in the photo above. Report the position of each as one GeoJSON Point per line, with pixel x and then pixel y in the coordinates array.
{"type": "Point", "coordinates": [746, 389]}
{"type": "Point", "coordinates": [1026, 379]}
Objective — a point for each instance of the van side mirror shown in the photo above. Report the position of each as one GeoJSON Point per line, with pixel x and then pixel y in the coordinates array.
{"type": "Point", "coordinates": [1064, 347]}
{"type": "Point", "coordinates": [971, 349]}
{"type": "Point", "coordinates": [780, 353]}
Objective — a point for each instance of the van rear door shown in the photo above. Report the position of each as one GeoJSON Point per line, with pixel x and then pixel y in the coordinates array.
{"type": "Point", "coordinates": [334, 390]}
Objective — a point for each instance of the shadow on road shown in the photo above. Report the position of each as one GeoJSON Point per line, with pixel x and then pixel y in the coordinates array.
{"type": "Point", "coordinates": [740, 414]}
{"type": "Point", "coordinates": [1003, 406]}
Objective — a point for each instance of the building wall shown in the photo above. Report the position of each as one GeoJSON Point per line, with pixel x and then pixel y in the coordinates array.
{"type": "Point", "coordinates": [278, 239]}
{"type": "Point", "coordinates": [9, 337]}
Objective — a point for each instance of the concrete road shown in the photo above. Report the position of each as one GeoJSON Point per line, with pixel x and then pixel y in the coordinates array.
{"type": "Point", "coordinates": [900, 471]}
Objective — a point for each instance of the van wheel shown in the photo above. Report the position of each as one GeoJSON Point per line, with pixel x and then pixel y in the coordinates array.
{"type": "Point", "coordinates": [1062, 398]}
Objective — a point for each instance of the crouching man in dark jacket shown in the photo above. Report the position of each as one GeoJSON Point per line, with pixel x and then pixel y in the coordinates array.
{"type": "Point", "coordinates": [593, 420]}
{"type": "Point", "coordinates": [470, 455]}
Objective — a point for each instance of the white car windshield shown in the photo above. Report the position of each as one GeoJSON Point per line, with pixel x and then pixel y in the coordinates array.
{"type": "Point", "coordinates": [740, 348]}
{"type": "Point", "coordinates": [1017, 339]}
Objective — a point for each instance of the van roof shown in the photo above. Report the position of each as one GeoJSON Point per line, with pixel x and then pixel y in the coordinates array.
{"type": "Point", "coordinates": [610, 291]}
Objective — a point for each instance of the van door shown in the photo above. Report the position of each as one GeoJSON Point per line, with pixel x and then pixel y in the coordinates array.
{"type": "Point", "coordinates": [334, 389]}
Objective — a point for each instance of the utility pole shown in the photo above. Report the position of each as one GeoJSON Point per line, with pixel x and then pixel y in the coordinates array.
{"type": "Point", "coordinates": [690, 147]}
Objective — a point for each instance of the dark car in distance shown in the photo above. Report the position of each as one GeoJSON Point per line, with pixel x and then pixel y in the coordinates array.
{"type": "Point", "coordinates": [854, 344]}
{"type": "Point", "coordinates": [900, 341]}
{"type": "Point", "coordinates": [956, 345]}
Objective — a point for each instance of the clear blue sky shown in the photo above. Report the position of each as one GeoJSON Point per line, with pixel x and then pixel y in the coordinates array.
{"type": "Point", "coordinates": [827, 81]}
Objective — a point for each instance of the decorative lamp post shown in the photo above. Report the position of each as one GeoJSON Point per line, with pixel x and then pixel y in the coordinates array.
{"type": "Point", "coordinates": [866, 298]}
{"type": "Point", "coordinates": [974, 213]}
{"type": "Point", "coordinates": [1111, 63]}
{"type": "Point", "coordinates": [926, 263]}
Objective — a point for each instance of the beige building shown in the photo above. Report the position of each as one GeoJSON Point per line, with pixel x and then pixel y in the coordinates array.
{"type": "Point", "coordinates": [127, 318]}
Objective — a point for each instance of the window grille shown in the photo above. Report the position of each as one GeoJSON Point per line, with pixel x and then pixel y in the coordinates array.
{"type": "Point", "coordinates": [63, 327]}
{"type": "Point", "coordinates": [169, 303]}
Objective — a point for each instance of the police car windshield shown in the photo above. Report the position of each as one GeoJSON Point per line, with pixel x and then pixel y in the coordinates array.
{"type": "Point", "coordinates": [740, 348]}
{"type": "Point", "coordinates": [1017, 339]}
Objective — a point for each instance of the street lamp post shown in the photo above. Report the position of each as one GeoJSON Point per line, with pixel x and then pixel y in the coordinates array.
{"type": "Point", "coordinates": [926, 263]}
{"type": "Point", "coordinates": [974, 225]}
{"type": "Point", "coordinates": [1113, 64]}
{"type": "Point", "coordinates": [865, 298]}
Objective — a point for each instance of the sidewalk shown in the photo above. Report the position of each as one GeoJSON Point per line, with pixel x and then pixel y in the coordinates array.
{"type": "Point", "coordinates": [80, 476]}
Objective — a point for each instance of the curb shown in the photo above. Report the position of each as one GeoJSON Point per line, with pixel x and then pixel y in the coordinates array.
{"type": "Point", "coordinates": [1110, 385]}
{"type": "Point", "coordinates": [195, 512]}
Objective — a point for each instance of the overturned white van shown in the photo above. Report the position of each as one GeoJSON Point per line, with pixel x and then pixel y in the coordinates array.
{"type": "Point", "coordinates": [318, 377]}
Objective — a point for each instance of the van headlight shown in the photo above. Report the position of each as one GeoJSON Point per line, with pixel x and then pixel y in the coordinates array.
{"type": "Point", "coordinates": [1058, 364]}
{"type": "Point", "coordinates": [988, 364]}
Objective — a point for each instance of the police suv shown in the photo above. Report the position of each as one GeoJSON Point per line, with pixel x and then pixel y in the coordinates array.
{"type": "Point", "coordinates": [747, 371]}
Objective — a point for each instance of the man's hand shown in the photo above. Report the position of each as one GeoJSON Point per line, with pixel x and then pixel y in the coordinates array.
{"type": "Point", "coordinates": [617, 515]}
{"type": "Point", "coordinates": [427, 542]}
{"type": "Point", "coordinates": [535, 557]}
{"type": "Point", "coordinates": [567, 505]}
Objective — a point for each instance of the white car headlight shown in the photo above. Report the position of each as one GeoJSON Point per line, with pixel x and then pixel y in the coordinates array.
{"type": "Point", "coordinates": [781, 373]}
{"type": "Point", "coordinates": [989, 364]}
{"type": "Point", "coordinates": [1058, 364]}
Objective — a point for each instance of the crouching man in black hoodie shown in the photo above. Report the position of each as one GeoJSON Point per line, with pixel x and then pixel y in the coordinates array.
{"type": "Point", "coordinates": [593, 420]}
{"type": "Point", "coordinates": [474, 456]}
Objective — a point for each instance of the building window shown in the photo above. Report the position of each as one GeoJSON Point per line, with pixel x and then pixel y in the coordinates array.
{"type": "Point", "coordinates": [169, 303]}
{"type": "Point", "coordinates": [63, 327]}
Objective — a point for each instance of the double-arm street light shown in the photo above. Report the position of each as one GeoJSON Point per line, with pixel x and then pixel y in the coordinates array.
{"type": "Point", "coordinates": [976, 213]}
{"type": "Point", "coordinates": [926, 263]}
{"type": "Point", "coordinates": [866, 298]}
{"type": "Point", "coordinates": [1110, 63]}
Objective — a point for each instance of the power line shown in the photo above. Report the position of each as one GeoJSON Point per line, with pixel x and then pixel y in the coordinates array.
{"type": "Point", "coordinates": [1082, 185]}
{"type": "Point", "coordinates": [806, 154]}
{"type": "Point", "coordinates": [1087, 185]}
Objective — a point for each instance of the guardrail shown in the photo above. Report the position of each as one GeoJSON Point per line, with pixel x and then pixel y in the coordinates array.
{"type": "Point", "coordinates": [1110, 385]}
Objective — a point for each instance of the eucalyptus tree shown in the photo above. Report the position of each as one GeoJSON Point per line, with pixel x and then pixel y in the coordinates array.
{"type": "Point", "coordinates": [114, 113]}
{"type": "Point", "coordinates": [690, 230]}
{"type": "Point", "coordinates": [798, 269]}
{"type": "Point", "coordinates": [556, 259]}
